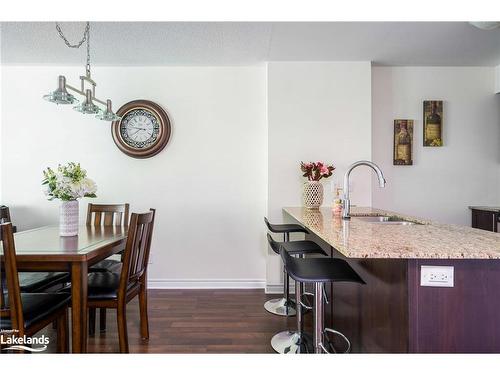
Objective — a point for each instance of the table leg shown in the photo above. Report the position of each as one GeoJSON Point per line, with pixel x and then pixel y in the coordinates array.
{"type": "Point", "coordinates": [79, 282]}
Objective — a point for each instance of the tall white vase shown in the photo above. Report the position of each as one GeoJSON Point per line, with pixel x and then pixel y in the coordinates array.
{"type": "Point", "coordinates": [313, 194]}
{"type": "Point", "coordinates": [68, 218]}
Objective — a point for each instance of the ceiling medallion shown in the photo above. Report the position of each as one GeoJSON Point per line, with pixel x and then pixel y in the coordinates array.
{"type": "Point", "coordinates": [87, 86]}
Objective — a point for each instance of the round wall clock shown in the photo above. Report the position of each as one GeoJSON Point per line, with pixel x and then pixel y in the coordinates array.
{"type": "Point", "coordinates": [143, 130]}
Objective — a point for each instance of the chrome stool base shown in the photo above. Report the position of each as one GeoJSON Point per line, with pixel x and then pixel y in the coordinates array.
{"type": "Point", "coordinates": [326, 331]}
{"type": "Point", "coordinates": [292, 342]}
{"type": "Point", "coordinates": [280, 306]}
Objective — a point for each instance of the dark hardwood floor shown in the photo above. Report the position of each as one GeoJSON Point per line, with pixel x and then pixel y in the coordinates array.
{"type": "Point", "coordinates": [196, 321]}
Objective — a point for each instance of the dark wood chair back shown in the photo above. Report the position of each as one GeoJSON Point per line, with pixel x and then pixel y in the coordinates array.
{"type": "Point", "coordinates": [136, 254]}
{"type": "Point", "coordinates": [4, 214]}
{"type": "Point", "coordinates": [107, 214]}
{"type": "Point", "coordinates": [14, 310]}
{"type": "Point", "coordinates": [5, 218]}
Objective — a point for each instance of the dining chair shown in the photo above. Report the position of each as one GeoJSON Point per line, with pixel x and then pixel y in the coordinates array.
{"type": "Point", "coordinates": [28, 313]}
{"type": "Point", "coordinates": [5, 218]}
{"type": "Point", "coordinates": [33, 282]}
{"type": "Point", "coordinates": [113, 290]}
{"type": "Point", "coordinates": [106, 215]}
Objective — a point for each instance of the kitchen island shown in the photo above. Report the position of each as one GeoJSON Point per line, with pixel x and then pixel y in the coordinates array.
{"type": "Point", "coordinates": [393, 313]}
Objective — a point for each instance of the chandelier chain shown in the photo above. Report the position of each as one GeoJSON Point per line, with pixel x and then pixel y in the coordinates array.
{"type": "Point", "coordinates": [85, 38]}
{"type": "Point", "coordinates": [87, 67]}
{"type": "Point", "coordinates": [66, 41]}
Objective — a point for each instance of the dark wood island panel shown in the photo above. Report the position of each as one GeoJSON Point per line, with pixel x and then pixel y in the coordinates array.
{"type": "Point", "coordinates": [462, 319]}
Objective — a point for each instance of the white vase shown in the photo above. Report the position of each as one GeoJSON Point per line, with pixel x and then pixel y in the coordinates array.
{"type": "Point", "coordinates": [68, 218]}
{"type": "Point", "coordinates": [313, 194]}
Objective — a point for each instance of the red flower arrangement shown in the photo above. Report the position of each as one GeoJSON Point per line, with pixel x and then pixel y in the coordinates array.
{"type": "Point", "coordinates": [316, 171]}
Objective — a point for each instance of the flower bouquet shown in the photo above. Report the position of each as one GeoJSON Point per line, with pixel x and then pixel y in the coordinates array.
{"type": "Point", "coordinates": [68, 183]}
{"type": "Point", "coordinates": [313, 189]}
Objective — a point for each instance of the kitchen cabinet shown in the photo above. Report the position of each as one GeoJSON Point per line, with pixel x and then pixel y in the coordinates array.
{"type": "Point", "coordinates": [485, 218]}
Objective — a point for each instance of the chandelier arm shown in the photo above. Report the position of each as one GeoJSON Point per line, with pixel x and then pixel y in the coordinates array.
{"type": "Point", "coordinates": [74, 89]}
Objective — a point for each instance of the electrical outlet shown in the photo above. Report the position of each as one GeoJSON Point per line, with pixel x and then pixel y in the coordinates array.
{"type": "Point", "coordinates": [438, 276]}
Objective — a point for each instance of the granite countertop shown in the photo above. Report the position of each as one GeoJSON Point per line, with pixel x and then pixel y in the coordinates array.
{"type": "Point", "coordinates": [485, 208]}
{"type": "Point", "coordinates": [359, 239]}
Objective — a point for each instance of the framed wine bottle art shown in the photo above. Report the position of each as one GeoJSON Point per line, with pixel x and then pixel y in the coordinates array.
{"type": "Point", "coordinates": [403, 142]}
{"type": "Point", "coordinates": [433, 123]}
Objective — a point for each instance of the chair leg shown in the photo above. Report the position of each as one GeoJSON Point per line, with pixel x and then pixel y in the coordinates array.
{"type": "Point", "coordinates": [143, 305]}
{"type": "Point", "coordinates": [92, 311]}
{"type": "Point", "coordinates": [122, 328]}
{"type": "Point", "coordinates": [62, 333]}
{"type": "Point", "coordinates": [102, 319]}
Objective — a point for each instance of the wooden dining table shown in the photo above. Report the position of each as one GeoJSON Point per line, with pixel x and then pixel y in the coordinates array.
{"type": "Point", "coordinates": [42, 249]}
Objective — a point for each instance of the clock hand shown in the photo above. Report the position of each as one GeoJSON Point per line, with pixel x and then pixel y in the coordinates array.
{"type": "Point", "coordinates": [137, 131]}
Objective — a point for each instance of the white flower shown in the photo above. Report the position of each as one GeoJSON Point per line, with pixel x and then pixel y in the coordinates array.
{"type": "Point", "coordinates": [89, 186]}
{"type": "Point", "coordinates": [75, 189]}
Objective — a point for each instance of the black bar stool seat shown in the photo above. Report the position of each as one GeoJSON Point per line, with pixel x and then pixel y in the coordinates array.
{"type": "Point", "coordinates": [318, 271]}
{"type": "Point", "coordinates": [302, 247]}
{"type": "Point", "coordinates": [286, 228]}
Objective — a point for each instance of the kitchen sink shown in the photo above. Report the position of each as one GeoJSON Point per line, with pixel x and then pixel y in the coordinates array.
{"type": "Point", "coordinates": [387, 220]}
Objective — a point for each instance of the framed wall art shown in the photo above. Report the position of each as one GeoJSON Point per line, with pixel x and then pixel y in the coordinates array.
{"type": "Point", "coordinates": [403, 142]}
{"type": "Point", "coordinates": [433, 123]}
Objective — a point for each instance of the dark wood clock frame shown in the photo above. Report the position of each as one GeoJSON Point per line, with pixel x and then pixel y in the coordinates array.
{"type": "Point", "coordinates": [164, 133]}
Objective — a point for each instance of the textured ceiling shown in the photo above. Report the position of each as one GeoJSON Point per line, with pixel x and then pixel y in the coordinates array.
{"type": "Point", "coordinates": [235, 43]}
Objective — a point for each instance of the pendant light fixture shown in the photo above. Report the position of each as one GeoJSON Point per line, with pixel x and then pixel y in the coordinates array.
{"type": "Point", "coordinates": [87, 107]}
{"type": "Point", "coordinates": [87, 86]}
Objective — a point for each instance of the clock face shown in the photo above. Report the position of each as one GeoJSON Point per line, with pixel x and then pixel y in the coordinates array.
{"type": "Point", "coordinates": [139, 128]}
{"type": "Point", "coordinates": [143, 130]}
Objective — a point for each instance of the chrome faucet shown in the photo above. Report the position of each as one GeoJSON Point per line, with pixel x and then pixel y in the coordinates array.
{"type": "Point", "coordinates": [346, 203]}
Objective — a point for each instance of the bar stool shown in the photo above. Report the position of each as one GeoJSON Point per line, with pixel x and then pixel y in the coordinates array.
{"type": "Point", "coordinates": [318, 271]}
{"type": "Point", "coordinates": [287, 342]}
{"type": "Point", "coordinates": [282, 306]}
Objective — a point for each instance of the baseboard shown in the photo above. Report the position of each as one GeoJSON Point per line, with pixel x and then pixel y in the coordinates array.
{"type": "Point", "coordinates": [206, 284]}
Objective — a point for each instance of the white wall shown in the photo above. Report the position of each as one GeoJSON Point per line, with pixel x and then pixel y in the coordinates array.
{"type": "Point", "coordinates": [208, 186]}
{"type": "Point", "coordinates": [445, 180]}
{"type": "Point", "coordinates": [316, 111]}
{"type": "Point", "coordinates": [497, 79]}
{"type": "Point", "coordinates": [239, 134]}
